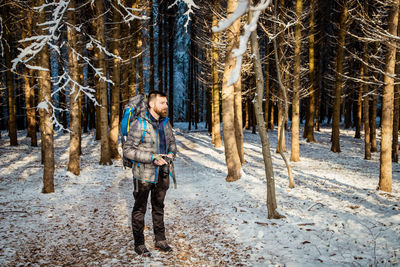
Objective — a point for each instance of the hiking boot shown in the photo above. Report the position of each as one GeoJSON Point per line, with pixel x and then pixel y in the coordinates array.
{"type": "Point", "coordinates": [163, 245]}
{"type": "Point", "coordinates": [142, 250]}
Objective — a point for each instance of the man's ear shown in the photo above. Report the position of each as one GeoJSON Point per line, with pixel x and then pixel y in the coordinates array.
{"type": "Point", "coordinates": [151, 104]}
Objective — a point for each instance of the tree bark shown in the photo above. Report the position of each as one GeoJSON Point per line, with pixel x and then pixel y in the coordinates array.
{"type": "Point", "coordinates": [295, 152]}
{"type": "Point", "coordinates": [75, 113]}
{"type": "Point", "coordinates": [309, 127]}
{"type": "Point", "coordinates": [365, 89]}
{"type": "Point", "coordinates": [105, 158]}
{"type": "Point", "coordinates": [116, 87]}
{"type": "Point", "coordinates": [374, 146]}
{"type": "Point", "coordinates": [171, 34]}
{"type": "Point", "coordinates": [231, 151]}
{"type": "Point", "coordinates": [359, 112]}
{"type": "Point", "coordinates": [282, 89]}
{"type": "Point", "coordinates": [238, 119]}
{"type": "Point", "coordinates": [385, 174]}
{"type": "Point", "coordinates": [396, 111]}
{"type": "Point", "coordinates": [267, 85]}
{"type": "Point", "coordinates": [12, 113]}
{"type": "Point", "coordinates": [269, 173]}
{"type": "Point", "coordinates": [46, 129]}
{"type": "Point", "coordinates": [338, 81]}
{"type": "Point", "coordinates": [29, 91]}
{"type": "Point", "coordinates": [216, 123]}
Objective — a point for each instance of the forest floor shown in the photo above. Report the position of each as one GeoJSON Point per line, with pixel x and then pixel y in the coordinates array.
{"type": "Point", "coordinates": [334, 215]}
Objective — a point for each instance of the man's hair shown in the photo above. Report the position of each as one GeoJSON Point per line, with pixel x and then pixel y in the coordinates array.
{"type": "Point", "coordinates": [153, 95]}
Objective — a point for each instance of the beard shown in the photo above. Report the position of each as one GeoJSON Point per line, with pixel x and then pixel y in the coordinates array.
{"type": "Point", "coordinates": [162, 112]}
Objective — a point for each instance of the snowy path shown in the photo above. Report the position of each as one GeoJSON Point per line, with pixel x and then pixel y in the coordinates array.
{"type": "Point", "coordinates": [334, 215]}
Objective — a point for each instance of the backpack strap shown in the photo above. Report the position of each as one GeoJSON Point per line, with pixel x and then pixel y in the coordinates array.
{"type": "Point", "coordinates": [143, 126]}
{"type": "Point", "coordinates": [129, 119]}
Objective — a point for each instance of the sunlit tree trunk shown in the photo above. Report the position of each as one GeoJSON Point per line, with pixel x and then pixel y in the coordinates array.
{"type": "Point", "coordinates": [271, 116]}
{"type": "Point", "coordinates": [338, 80]}
{"type": "Point", "coordinates": [75, 113]}
{"type": "Point", "coordinates": [216, 124]}
{"type": "Point", "coordinates": [385, 174]}
{"type": "Point", "coordinates": [231, 151]}
{"type": "Point", "coordinates": [105, 158]}
{"type": "Point", "coordinates": [140, 49]}
{"type": "Point", "coordinates": [29, 90]}
{"type": "Point", "coordinates": [295, 153]}
{"type": "Point", "coordinates": [280, 146]}
{"type": "Point", "coordinates": [116, 87]}
{"type": "Point", "coordinates": [396, 111]}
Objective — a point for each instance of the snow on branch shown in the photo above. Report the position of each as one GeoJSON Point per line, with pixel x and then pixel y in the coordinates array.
{"type": "Point", "coordinates": [45, 104]}
{"type": "Point", "coordinates": [225, 23]}
{"type": "Point", "coordinates": [97, 71]}
{"type": "Point", "coordinates": [243, 7]}
{"type": "Point", "coordinates": [97, 43]}
{"type": "Point", "coordinates": [129, 12]}
{"type": "Point", "coordinates": [39, 41]}
{"type": "Point", "coordinates": [65, 80]}
{"type": "Point", "coordinates": [190, 5]}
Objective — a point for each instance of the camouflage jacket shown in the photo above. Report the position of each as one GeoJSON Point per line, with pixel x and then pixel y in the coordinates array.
{"type": "Point", "coordinates": [142, 147]}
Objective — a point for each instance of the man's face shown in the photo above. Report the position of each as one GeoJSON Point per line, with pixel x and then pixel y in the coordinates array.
{"type": "Point", "coordinates": [160, 106]}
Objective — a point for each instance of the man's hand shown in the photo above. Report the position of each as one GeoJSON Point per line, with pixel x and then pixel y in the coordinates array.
{"type": "Point", "coordinates": [158, 160]}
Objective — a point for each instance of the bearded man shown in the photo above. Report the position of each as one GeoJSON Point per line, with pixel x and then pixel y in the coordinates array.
{"type": "Point", "coordinates": [151, 146]}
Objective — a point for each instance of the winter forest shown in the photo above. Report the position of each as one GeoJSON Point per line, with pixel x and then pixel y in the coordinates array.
{"type": "Point", "coordinates": [285, 113]}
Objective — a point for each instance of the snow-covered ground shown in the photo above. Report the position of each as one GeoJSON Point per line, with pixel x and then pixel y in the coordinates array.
{"type": "Point", "coordinates": [334, 215]}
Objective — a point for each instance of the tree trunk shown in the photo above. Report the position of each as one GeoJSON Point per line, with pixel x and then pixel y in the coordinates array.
{"type": "Point", "coordinates": [339, 81]}
{"type": "Point", "coordinates": [374, 146]}
{"type": "Point", "coordinates": [140, 49]}
{"type": "Point", "coordinates": [216, 124]}
{"type": "Point", "coordinates": [385, 174]}
{"type": "Point", "coordinates": [269, 173]}
{"type": "Point", "coordinates": [228, 117]}
{"type": "Point", "coordinates": [29, 90]}
{"type": "Point", "coordinates": [171, 35]}
{"type": "Point", "coordinates": [280, 146]}
{"type": "Point", "coordinates": [75, 113]}
{"type": "Point", "coordinates": [309, 127]}
{"type": "Point", "coordinates": [116, 87]}
{"type": "Point", "coordinates": [238, 119]}
{"type": "Point", "coordinates": [365, 89]}
{"type": "Point", "coordinates": [348, 106]}
{"type": "Point", "coordinates": [358, 118]}
{"type": "Point", "coordinates": [295, 153]}
{"type": "Point", "coordinates": [105, 158]}
{"type": "Point", "coordinates": [12, 113]}
{"type": "Point", "coordinates": [282, 89]}
{"type": "Point", "coordinates": [151, 45]}
{"type": "Point", "coordinates": [271, 116]}
{"type": "Point", "coordinates": [396, 111]}
{"type": "Point", "coordinates": [46, 129]}
{"type": "Point", "coordinates": [267, 89]}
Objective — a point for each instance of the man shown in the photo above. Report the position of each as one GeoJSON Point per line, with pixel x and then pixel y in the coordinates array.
{"type": "Point", "coordinates": [149, 140]}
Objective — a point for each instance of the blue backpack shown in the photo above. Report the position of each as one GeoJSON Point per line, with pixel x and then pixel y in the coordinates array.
{"type": "Point", "coordinates": [136, 106]}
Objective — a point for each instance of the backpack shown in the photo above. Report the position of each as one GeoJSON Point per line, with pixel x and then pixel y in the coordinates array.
{"type": "Point", "coordinates": [136, 106]}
